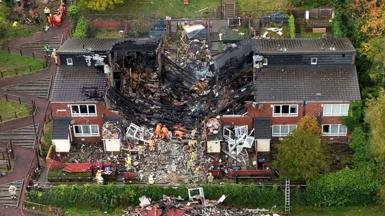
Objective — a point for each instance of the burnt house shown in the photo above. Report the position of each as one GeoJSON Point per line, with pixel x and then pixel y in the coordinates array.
{"type": "Point", "coordinates": [289, 84]}
{"type": "Point", "coordinates": [77, 100]}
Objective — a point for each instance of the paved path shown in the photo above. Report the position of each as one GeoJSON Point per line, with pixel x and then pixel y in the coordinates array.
{"type": "Point", "coordinates": [31, 45]}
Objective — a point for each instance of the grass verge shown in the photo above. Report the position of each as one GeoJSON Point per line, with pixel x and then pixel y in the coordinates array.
{"type": "Point", "coordinates": [11, 110]}
{"type": "Point", "coordinates": [90, 212]}
{"type": "Point", "coordinates": [14, 64]}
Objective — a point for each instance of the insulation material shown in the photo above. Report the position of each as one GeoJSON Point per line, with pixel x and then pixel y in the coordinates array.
{"type": "Point", "coordinates": [214, 146]}
{"type": "Point", "coordinates": [112, 145]}
{"type": "Point", "coordinates": [62, 145]}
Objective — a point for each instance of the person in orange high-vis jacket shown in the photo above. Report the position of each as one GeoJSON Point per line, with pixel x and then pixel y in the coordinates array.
{"type": "Point", "coordinates": [158, 130]}
{"type": "Point", "coordinates": [164, 132]}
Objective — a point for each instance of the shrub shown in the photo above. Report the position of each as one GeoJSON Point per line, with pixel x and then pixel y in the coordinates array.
{"type": "Point", "coordinates": [354, 118]}
{"type": "Point", "coordinates": [381, 195]}
{"type": "Point", "coordinates": [344, 188]}
{"type": "Point", "coordinates": [360, 147]}
{"type": "Point", "coordinates": [73, 11]}
{"type": "Point", "coordinates": [291, 27]}
{"type": "Point", "coordinates": [82, 28]}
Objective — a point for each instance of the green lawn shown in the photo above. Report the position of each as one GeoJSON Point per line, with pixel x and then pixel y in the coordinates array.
{"type": "Point", "coordinates": [60, 173]}
{"type": "Point", "coordinates": [163, 8]}
{"type": "Point", "coordinates": [10, 63]}
{"type": "Point", "coordinates": [21, 30]}
{"type": "Point", "coordinates": [47, 139]}
{"type": "Point", "coordinates": [342, 211]}
{"type": "Point", "coordinates": [106, 34]}
{"type": "Point", "coordinates": [8, 109]}
{"type": "Point", "coordinates": [260, 7]}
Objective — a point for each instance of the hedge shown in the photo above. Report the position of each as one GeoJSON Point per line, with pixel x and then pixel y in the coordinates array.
{"type": "Point", "coordinates": [346, 187]}
{"type": "Point", "coordinates": [108, 197]}
{"type": "Point", "coordinates": [82, 28]}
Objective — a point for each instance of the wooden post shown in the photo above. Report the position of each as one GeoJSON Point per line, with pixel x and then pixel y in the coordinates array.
{"type": "Point", "coordinates": [21, 52]}
{"type": "Point", "coordinates": [1, 118]}
{"type": "Point", "coordinates": [17, 73]}
{"type": "Point", "coordinates": [19, 100]}
{"type": "Point", "coordinates": [6, 97]}
{"type": "Point", "coordinates": [1, 73]}
{"type": "Point", "coordinates": [9, 50]}
{"type": "Point", "coordinates": [15, 114]}
{"type": "Point", "coordinates": [30, 68]}
{"type": "Point", "coordinates": [33, 55]}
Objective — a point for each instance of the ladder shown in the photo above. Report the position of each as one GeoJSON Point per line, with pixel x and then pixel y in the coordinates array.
{"type": "Point", "coordinates": [287, 196]}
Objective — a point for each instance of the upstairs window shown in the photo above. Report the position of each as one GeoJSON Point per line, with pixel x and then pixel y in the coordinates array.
{"type": "Point", "coordinates": [69, 61]}
{"type": "Point", "coordinates": [288, 110]}
{"type": "Point", "coordinates": [335, 109]}
{"type": "Point", "coordinates": [83, 110]}
{"type": "Point", "coordinates": [334, 130]}
{"type": "Point", "coordinates": [313, 61]}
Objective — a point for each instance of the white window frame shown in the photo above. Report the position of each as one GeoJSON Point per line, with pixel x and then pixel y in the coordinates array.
{"type": "Point", "coordinates": [265, 61]}
{"type": "Point", "coordinates": [313, 60]}
{"type": "Point", "coordinates": [83, 114]}
{"type": "Point", "coordinates": [335, 109]}
{"type": "Point", "coordinates": [338, 134]}
{"type": "Point", "coordinates": [285, 114]}
{"type": "Point", "coordinates": [280, 134]}
{"type": "Point", "coordinates": [82, 134]}
{"type": "Point", "coordinates": [69, 61]}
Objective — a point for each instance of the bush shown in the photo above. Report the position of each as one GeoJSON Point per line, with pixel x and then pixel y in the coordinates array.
{"type": "Point", "coordinates": [291, 27]}
{"type": "Point", "coordinates": [73, 11]}
{"type": "Point", "coordinates": [344, 188]}
{"type": "Point", "coordinates": [381, 195]}
{"type": "Point", "coordinates": [82, 28]}
{"type": "Point", "coordinates": [360, 147]}
{"type": "Point", "coordinates": [354, 118]}
{"type": "Point", "coordinates": [108, 197]}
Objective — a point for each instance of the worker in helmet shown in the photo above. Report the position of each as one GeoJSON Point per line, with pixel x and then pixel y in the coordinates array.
{"type": "Point", "coordinates": [164, 132]}
{"type": "Point", "coordinates": [179, 134]}
{"type": "Point", "coordinates": [151, 145]}
{"type": "Point", "coordinates": [158, 130]}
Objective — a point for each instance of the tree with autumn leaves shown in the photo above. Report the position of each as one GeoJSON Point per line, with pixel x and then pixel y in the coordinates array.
{"type": "Point", "coordinates": [99, 5]}
{"type": "Point", "coordinates": [300, 154]}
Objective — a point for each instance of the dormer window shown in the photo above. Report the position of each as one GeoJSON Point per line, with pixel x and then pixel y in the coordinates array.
{"type": "Point", "coordinates": [69, 61]}
{"type": "Point", "coordinates": [313, 61]}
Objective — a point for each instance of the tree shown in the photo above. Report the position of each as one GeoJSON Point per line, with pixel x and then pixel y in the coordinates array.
{"type": "Point", "coordinates": [373, 49]}
{"type": "Point", "coordinates": [371, 15]}
{"type": "Point", "coordinates": [359, 145]}
{"type": "Point", "coordinates": [82, 28]}
{"type": "Point", "coordinates": [309, 123]}
{"type": "Point", "coordinates": [99, 5]}
{"type": "Point", "coordinates": [336, 26]}
{"type": "Point", "coordinates": [291, 27]}
{"type": "Point", "coordinates": [354, 118]}
{"type": "Point", "coordinates": [300, 156]}
{"type": "Point", "coordinates": [375, 117]}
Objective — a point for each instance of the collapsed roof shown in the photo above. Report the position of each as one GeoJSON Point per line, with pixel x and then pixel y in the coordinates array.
{"type": "Point", "coordinates": [307, 83]}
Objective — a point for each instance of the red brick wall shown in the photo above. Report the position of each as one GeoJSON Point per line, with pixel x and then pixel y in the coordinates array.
{"type": "Point", "coordinates": [265, 110]}
{"type": "Point", "coordinates": [63, 110]}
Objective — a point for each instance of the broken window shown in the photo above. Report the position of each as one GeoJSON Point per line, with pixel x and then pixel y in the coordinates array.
{"type": "Point", "coordinates": [83, 110]}
{"type": "Point", "coordinates": [334, 130]}
{"type": "Point", "coordinates": [285, 110]}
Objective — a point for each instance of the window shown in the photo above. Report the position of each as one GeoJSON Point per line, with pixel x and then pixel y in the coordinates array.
{"type": "Point", "coordinates": [335, 109]}
{"type": "Point", "coordinates": [83, 110]}
{"type": "Point", "coordinates": [265, 61]}
{"type": "Point", "coordinates": [285, 110]}
{"type": "Point", "coordinates": [334, 130]}
{"type": "Point", "coordinates": [313, 61]}
{"type": "Point", "coordinates": [86, 130]}
{"type": "Point", "coordinates": [69, 61]}
{"type": "Point", "coordinates": [282, 130]}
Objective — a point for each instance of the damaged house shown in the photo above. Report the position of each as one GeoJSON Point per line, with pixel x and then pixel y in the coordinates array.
{"type": "Point", "coordinates": [77, 99]}
{"type": "Point", "coordinates": [292, 78]}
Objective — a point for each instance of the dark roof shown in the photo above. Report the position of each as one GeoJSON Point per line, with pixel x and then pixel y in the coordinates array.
{"type": "Point", "coordinates": [60, 128]}
{"type": "Point", "coordinates": [88, 45]}
{"type": "Point", "coordinates": [262, 129]}
{"type": "Point", "coordinates": [307, 82]}
{"type": "Point", "coordinates": [303, 45]}
{"type": "Point", "coordinates": [78, 84]}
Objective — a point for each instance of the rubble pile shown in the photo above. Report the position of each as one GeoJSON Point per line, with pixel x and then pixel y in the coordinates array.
{"type": "Point", "coordinates": [166, 160]}
{"type": "Point", "coordinates": [178, 206]}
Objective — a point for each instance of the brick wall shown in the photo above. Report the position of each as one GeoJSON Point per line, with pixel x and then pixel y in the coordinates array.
{"type": "Point", "coordinates": [265, 110]}
{"type": "Point", "coordinates": [63, 110]}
